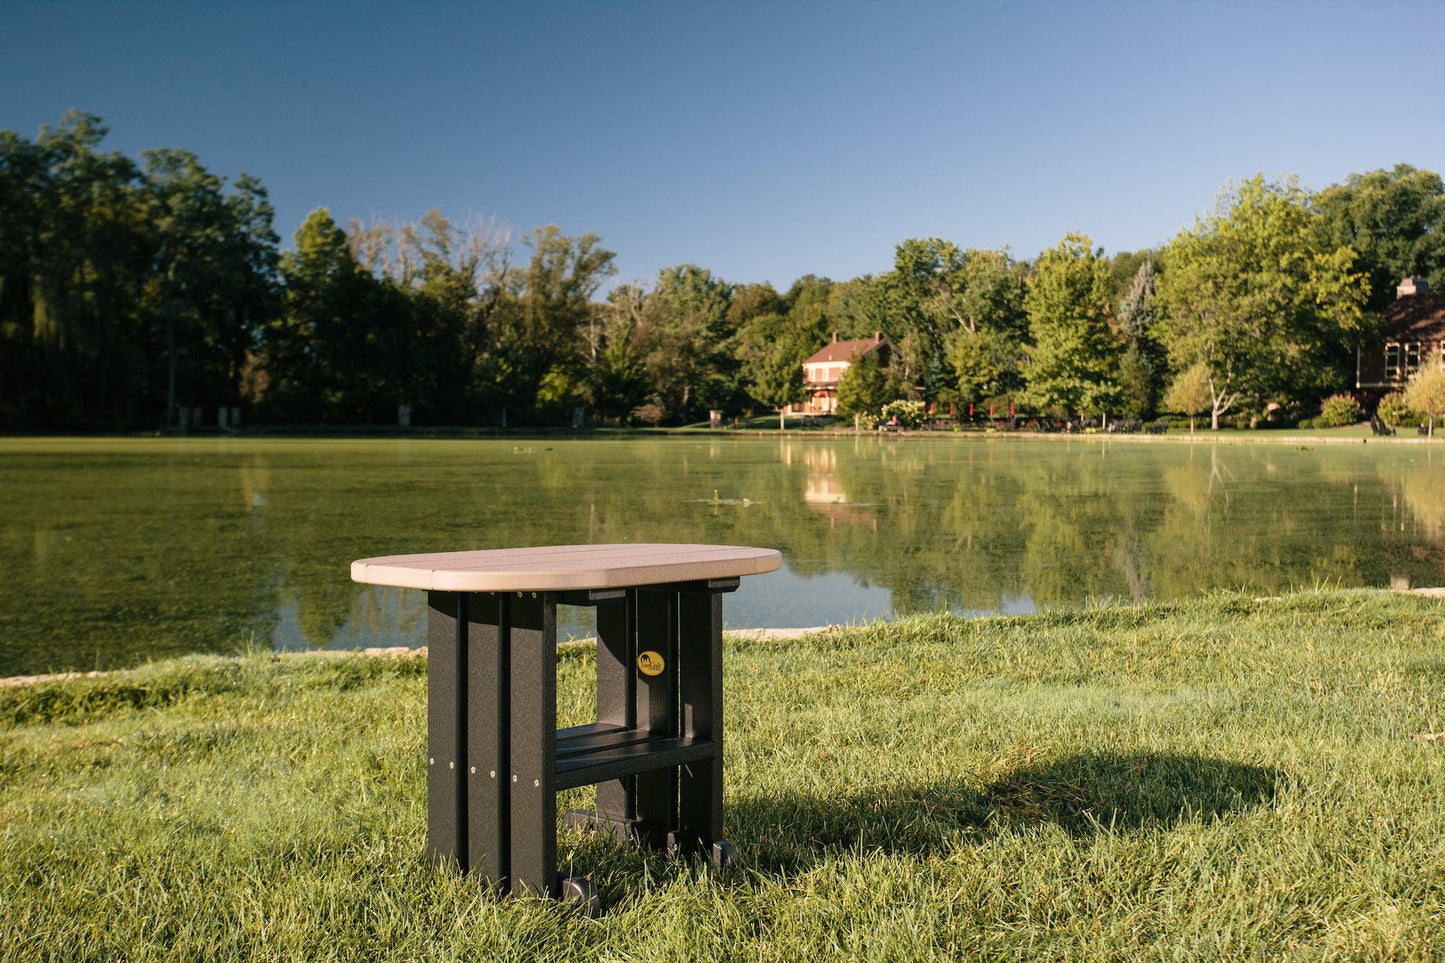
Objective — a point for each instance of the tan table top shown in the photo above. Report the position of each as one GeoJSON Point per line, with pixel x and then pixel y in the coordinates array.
{"type": "Point", "coordinates": [562, 567]}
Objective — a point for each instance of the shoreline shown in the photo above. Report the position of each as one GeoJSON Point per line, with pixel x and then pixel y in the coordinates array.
{"type": "Point", "coordinates": [460, 433]}
{"type": "Point", "coordinates": [393, 652]}
{"type": "Point", "coordinates": [406, 652]}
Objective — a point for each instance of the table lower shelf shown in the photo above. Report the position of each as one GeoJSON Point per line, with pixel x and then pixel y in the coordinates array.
{"type": "Point", "coordinates": [602, 751]}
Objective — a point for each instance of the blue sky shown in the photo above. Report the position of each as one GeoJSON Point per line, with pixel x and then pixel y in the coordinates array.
{"type": "Point", "coordinates": [763, 141]}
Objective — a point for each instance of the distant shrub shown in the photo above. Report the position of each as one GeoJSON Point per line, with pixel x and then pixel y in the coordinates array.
{"type": "Point", "coordinates": [1337, 411]}
{"type": "Point", "coordinates": [909, 413]}
{"type": "Point", "coordinates": [1279, 417]}
{"type": "Point", "coordinates": [1394, 412]}
{"type": "Point", "coordinates": [648, 414]}
{"type": "Point", "coordinates": [1308, 423]}
{"type": "Point", "coordinates": [1425, 391]}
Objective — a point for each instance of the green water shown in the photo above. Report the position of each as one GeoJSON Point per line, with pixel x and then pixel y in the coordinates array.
{"type": "Point", "coordinates": [115, 551]}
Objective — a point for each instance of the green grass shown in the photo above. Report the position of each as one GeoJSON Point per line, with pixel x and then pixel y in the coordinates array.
{"type": "Point", "coordinates": [1216, 779]}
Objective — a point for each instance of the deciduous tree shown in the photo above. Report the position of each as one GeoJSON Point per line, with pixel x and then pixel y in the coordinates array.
{"type": "Point", "coordinates": [984, 364]}
{"type": "Point", "coordinates": [683, 339]}
{"type": "Point", "coordinates": [201, 269]}
{"type": "Point", "coordinates": [778, 382]}
{"type": "Point", "coordinates": [1261, 296]}
{"type": "Point", "coordinates": [1425, 391]}
{"type": "Point", "coordinates": [540, 339]}
{"type": "Point", "coordinates": [1394, 221]}
{"type": "Point", "coordinates": [863, 389]}
{"type": "Point", "coordinates": [1191, 392]}
{"type": "Point", "coordinates": [345, 346]}
{"type": "Point", "coordinates": [123, 285]}
{"type": "Point", "coordinates": [1073, 354]}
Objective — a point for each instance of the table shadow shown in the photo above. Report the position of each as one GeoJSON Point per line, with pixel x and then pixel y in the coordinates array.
{"type": "Point", "coordinates": [1083, 794]}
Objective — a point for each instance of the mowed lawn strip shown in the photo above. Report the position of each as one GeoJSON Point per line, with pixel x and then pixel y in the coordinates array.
{"type": "Point", "coordinates": [1219, 778]}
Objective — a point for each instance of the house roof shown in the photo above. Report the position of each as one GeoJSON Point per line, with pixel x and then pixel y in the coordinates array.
{"type": "Point", "coordinates": [1416, 317]}
{"type": "Point", "coordinates": [845, 350]}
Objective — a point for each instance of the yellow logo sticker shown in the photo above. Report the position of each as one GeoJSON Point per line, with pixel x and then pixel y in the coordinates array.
{"type": "Point", "coordinates": [651, 663]}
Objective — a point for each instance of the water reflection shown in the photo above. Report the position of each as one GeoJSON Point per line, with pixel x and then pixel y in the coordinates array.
{"type": "Point", "coordinates": [119, 551]}
{"type": "Point", "coordinates": [824, 492]}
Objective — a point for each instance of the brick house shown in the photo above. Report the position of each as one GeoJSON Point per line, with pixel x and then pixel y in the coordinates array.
{"type": "Point", "coordinates": [823, 371]}
{"type": "Point", "coordinates": [1411, 333]}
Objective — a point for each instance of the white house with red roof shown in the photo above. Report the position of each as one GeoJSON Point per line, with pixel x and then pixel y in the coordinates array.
{"type": "Point", "coordinates": [823, 371]}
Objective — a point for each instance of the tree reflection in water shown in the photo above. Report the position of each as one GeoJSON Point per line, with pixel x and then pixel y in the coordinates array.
{"type": "Point", "coordinates": [118, 551]}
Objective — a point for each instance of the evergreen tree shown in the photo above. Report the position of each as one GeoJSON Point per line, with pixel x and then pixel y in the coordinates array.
{"type": "Point", "coordinates": [1142, 366]}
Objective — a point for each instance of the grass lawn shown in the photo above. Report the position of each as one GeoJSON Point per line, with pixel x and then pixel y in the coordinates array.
{"type": "Point", "coordinates": [1215, 779]}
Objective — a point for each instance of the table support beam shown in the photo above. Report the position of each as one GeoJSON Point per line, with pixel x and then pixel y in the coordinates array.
{"type": "Point", "coordinates": [617, 705]}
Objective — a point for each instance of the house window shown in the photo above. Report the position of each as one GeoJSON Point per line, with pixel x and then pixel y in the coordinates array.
{"type": "Point", "coordinates": [1401, 360]}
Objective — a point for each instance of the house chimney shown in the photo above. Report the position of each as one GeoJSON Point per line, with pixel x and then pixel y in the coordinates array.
{"type": "Point", "coordinates": [835, 337]}
{"type": "Point", "coordinates": [878, 336]}
{"type": "Point", "coordinates": [1412, 285]}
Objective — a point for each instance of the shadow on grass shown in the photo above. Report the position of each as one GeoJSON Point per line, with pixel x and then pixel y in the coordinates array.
{"type": "Point", "coordinates": [1083, 794]}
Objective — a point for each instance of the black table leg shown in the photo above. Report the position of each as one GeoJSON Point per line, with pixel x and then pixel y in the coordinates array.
{"type": "Point", "coordinates": [533, 635]}
{"type": "Point", "coordinates": [700, 647]}
{"type": "Point", "coordinates": [488, 717]}
{"type": "Point", "coordinates": [446, 729]}
{"type": "Point", "coordinates": [656, 793]}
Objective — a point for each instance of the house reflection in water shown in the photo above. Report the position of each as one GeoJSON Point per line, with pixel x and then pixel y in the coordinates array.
{"type": "Point", "coordinates": [824, 493]}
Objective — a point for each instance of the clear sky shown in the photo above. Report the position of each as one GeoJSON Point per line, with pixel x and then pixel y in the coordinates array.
{"type": "Point", "coordinates": [761, 140]}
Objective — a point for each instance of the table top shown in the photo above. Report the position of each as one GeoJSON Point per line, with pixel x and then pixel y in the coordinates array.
{"type": "Point", "coordinates": [562, 567]}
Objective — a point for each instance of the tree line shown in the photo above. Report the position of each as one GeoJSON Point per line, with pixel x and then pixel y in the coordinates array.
{"type": "Point", "coordinates": [133, 288]}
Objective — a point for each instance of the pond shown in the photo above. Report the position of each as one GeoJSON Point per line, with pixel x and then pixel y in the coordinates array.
{"type": "Point", "coordinates": [116, 551]}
